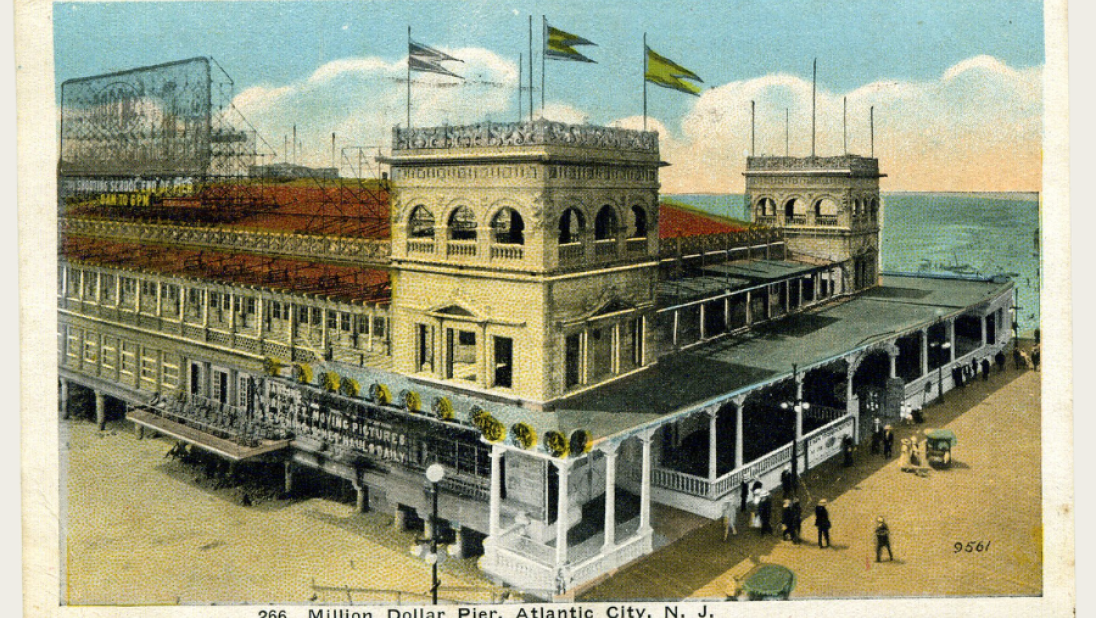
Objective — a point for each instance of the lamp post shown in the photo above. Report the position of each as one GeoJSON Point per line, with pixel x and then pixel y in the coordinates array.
{"type": "Point", "coordinates": [941, 347]}
{"type": "Point", "coordinates": [434, 473]}
{"type": "Point", "coordinates": [799, 407]}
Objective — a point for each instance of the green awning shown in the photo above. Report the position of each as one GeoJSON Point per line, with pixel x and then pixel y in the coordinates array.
{"type": "Point", "coordinates": [770, 581]}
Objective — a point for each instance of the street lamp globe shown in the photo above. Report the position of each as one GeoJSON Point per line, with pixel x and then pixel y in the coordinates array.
{"type": "Point", "coordinates": [435, 472]}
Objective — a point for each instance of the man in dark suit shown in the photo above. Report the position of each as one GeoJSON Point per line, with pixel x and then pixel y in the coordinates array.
{"type": "Point", "coordinates": [882, 539]}
{"type": "Point", "coordinates": [822, 522]}
{"type": "Point", "coordinates": [888, 442]}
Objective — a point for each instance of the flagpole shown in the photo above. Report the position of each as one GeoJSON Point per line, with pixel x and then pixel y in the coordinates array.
{"type": "Point", "coordinates": [814, 88]}
{"type": "Point", "coordinates": [409, 77]}
{"type": "Point", "coordinates": [521, 80]}
{"type": "Point", "coordinates": [644, 81]}
{"type": "Point", "coordinates": [845, 123]}
{"type": "Point", "coordinates": [871, 120]}
{"type": "Point", "coordinates": [543, 56]}
{"type": "Point", "coordinates": [530, 68]}
{"type": "Point", "coordinates": [787, 132]}
{"type": "Point", "coordinates": [753, 135]}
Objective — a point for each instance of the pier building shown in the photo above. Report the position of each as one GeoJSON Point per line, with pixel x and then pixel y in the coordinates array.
{"type": "Point", "coordinates": [510, 303]}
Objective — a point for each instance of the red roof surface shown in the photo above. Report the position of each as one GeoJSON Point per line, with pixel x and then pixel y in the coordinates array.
{"type": "Point", "coordinates": [347, 283]}
{"type": "Point", "coordinates": [674, 222]}
{"type": "Point", "coordinates": [343, 209]}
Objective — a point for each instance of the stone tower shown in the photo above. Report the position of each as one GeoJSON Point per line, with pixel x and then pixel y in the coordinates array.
{"type": "Point", "coordinates": [827, 207]}
{"type": "Point", "coordinates": [524, 255]}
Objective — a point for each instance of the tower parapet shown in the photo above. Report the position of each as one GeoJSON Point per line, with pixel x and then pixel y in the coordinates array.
{"type": "Point", "coordinates": [525, 254]}
{"type": "Point", "coordinates": [827, 207]}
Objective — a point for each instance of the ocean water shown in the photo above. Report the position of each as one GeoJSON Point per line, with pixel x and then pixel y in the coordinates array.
{"type": "Point", "coordinates": [990, 233]}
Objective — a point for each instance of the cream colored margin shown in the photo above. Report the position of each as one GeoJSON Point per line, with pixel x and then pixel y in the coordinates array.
{"type": "Point", "coordinates": [37, 275]}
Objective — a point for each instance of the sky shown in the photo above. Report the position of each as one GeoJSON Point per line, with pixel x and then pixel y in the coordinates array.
{"type": "Point", "coordinates": [956, 86]}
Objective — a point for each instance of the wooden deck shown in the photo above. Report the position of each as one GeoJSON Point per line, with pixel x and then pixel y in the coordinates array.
{"type": "Point", "coordinates": [201, 439]}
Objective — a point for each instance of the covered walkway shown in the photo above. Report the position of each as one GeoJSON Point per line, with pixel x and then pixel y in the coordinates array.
{"type": "Point", "coordinates": [993, 494]}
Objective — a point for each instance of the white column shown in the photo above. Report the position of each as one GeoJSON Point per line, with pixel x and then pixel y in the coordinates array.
{"type": "Point", "coordinates": [893, 363]}
{"type": "Point", "coordinates": [982, 321]}
{"type": "Point", "coordinates": [645, 484]}
{"type": "Point", "coordinates": [64, 398]}
{"type": "Point", "coordinates": [924, 352]}
{"type": "Point", "coordinates": [323, 331]}
{"type": "Point", "coordinates": [703, 311]}
{"type": "Point", "coordinates": [712, 444]}
{"type": "Point", "coordinates": [739, 403]}
{"type": "Point", "coordinates": [675, 327]}
{"type": "Point", "coordinates": [159, 298]}
{"type": "Point", "coordinates": [749, 310]}
{"type": "Point", "coordinates": [798, 408]}
{"type": "Point", "coordinates": [369, 331]}
{"type": "Point", "coordinates": [205, 308]}
{"type": "Point", "coordinates": [610, 497]}
{"type": "Point", "coordinates": [261, 316]}
{"type": "Point", "coordinates": [564, 469]}
{"type": "Point", "coordinates": [495, 506]}
{"type": "Point", "coordinates": [101, 408]}
{"type": "Point", "coordinates": [950, 326]}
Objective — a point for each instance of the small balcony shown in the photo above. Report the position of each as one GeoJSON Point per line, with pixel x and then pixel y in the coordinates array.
{"type": "Point", "coordinates": [571, 252]}
{"type": "Point", "coordinates": [461, 248]}
{"type": "Point", "coordinates": [826, 220]}
{"type": "Point", "coordinates": [507, 252]}
{"type": "Point", "coordinates": [605, 248]}
{"type": "Point", "coordinates": [420, 245]}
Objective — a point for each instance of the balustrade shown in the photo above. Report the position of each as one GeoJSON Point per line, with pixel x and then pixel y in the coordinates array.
{"type": "Point", "coordinates": [507, 252]}
{"type": "Point", "coordinates": [461, 248]}
{"type": "Point", "coordinates": [605, 248]}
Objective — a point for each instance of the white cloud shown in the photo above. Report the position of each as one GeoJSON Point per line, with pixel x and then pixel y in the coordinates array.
{"type": "Point", "coordinates": [977, 127]}
{"type": "Point", "coordinates": [361, 99]}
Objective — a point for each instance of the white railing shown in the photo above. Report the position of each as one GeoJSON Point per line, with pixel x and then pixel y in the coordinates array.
{"type": "Point", "coordinates": [507, 252]}
{"type": "Point", "coordinates": [630, 549]}
{"type": "Point", "coordinates": [680, 482]}
{"type": "Point", "coordinates": [701, 487]}
{"type": "Point", "coordinates": [516, 569]}
{"type": "Point", "coordinates": [461, 248]}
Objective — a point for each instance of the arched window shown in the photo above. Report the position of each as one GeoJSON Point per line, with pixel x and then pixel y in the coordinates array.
{"type": "Point", "coordinates": [874, 207]}
{"type": "Point", "coordinates": [792, 207]}
{"type": "Point", "coordinates": [509, 228]}
{"type": "Point", "coordinates": [639, 222]}
{"type": "Point", "coordinates": [605, 224]}
{"type": "Point", "coordinates": [421, 223]}
{"type": "Point", "coordinates": [825, 207]}
{"type": "Point", "coordinates": [462, 224]}
{"type": "Point", "coordinates": [766, 207]}
{"type": "Point", "coordinates": [571, 226]}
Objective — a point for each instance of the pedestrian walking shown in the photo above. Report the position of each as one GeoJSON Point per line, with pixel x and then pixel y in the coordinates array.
{"type": "Point", "coordinates": [847, 447]}
{"type": "Point", "coordinates": [973, 367]}
{"type": "Point", "coordinates": [1035, 355]}
{"type": "Point", "coordinates": [882, 539]}
{"type": "Point", "coordinates": [765, 512]}
{"type": "Point", "coordinates": [1017, 357]}
{"type": "Point", "coordinates": [888, 442]}
{"type": "Point", "coordinates": [786, 524]}
{"type": "Point", "coordinates": [876, 435]}
{"type": "Point", "coordinates": [786, 481]}
{"type": "Point", "coordinates": [822, 522]}
{"type": "Point", "coordinates": [730, 516]}
{"type": "Point", "coordinates": [985, 369]}
{"type": "Point", "coordinates": [999, 360]}
{"type": "Point", "coordinates": [956, 376]}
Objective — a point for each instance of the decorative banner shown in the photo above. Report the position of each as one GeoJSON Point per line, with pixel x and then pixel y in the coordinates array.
{"type": "Point", "coordinates": [443, 408]}
{"type": "Point", "coordinates": [380, 394]}
{"type": "Point", "coordinates": [411, 401]}
{"type": "Point", "coordinates": [302, 372]}
{"type": "Point", "coordinates": [664, 72]}
{"type": "Point", "coordinates": [556, 444]}
{"type": "Point", "coordinates": [350, 387]}
{"type": "Point", "coordinates": [425, 59]}
{"type": "Point", "coordinates": [559, 45]}
{"type": "Point", "coordinates": [523, 435]}
{"type": "Point", "coordinates": [581, 441]}
{"type": "Point", "coordinates": [330, 381]}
